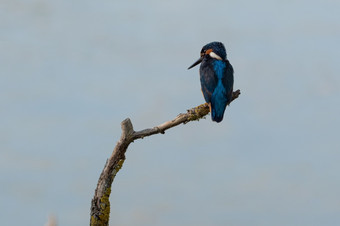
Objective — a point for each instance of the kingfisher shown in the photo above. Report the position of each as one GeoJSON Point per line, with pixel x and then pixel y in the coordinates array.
{"type": "Point", "coordinates": [217, 78]}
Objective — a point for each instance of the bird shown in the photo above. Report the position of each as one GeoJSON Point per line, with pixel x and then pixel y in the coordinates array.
{"type": "Point", "coordinates": [217, 78]}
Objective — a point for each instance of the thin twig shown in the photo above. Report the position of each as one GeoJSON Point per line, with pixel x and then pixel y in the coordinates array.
{"type": "Point", "coordinates": [100, 205]}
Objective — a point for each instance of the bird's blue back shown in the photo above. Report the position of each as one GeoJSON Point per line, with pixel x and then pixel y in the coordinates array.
{"type": "Point", "coordinates": [217, 85]}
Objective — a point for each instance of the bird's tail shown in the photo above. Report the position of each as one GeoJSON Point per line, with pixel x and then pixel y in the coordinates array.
{"type": "Point", "coordinates": [217, 113]}
{"type": "Point", "coordinates": [218, 105]}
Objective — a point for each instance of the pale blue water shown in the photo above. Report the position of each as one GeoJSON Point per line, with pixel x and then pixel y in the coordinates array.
{"type": "Point", "coordinates": [71, 71]}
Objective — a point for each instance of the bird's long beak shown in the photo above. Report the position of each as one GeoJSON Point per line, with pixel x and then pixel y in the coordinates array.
{"type": "Point", "coordinates": [197, 62]}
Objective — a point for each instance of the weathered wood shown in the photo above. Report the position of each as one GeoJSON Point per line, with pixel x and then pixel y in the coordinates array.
{"type": "Point", "coordinates": [100, 205]}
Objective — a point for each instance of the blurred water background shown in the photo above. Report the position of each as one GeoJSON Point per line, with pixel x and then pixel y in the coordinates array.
{"type": "Point", "coordinates": [71, 71]}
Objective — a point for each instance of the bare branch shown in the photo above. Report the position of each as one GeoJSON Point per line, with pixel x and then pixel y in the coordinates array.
{"type": "Point", "coordinates": [100, 205]}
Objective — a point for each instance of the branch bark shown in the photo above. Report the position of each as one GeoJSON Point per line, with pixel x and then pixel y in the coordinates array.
{"type": "Point", "coordinates": [100, 205]}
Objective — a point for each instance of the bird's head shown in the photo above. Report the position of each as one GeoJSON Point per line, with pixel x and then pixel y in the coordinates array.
{"type": "Point", "coordinates": [214, 50]}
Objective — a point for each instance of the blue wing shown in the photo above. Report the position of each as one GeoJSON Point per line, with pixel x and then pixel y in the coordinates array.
{"type": "Point", "coordinates": [208, 79]}
{"type": "Point", "coordinates": [228, 81]}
